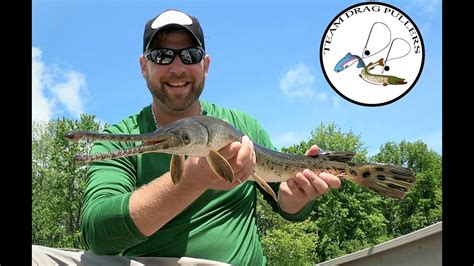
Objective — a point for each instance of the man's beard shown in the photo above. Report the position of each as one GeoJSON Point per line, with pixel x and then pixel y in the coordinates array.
{"type": "Point", "coordinates": [181, 103]}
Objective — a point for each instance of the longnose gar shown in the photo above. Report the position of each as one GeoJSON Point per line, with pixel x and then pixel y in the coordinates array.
{"type": "Point", "coordinates": [203, 136]}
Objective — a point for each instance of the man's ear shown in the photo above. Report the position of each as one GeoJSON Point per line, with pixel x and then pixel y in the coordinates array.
{"type": "Point", "coordinates": [207, 62]}
{"type": "Point", "coordinates": [143, 68]}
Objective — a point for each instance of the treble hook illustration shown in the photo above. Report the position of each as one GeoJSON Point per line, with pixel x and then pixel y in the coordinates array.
{"type": "Point", "coordinates": [365, 52]}
{"type": "Point", "coordinates": [387, 68]}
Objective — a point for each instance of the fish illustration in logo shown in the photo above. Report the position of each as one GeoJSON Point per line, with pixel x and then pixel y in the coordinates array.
{"type": "Point", "coordinates": [348, 61]}
{"type": "Point", "coordinates": [365, 74]}
{"type": "Point", "coordinates": [379, 79]}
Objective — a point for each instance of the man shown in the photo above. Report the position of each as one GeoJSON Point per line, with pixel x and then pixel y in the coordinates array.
{"type": "Point", "coordinates": [131, 206]}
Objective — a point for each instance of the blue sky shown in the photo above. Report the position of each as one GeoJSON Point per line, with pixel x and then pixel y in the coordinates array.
{"type": "Point", "coordinates": [85, 60]}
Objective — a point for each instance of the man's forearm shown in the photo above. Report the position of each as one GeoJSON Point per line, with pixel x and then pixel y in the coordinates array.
{"type": "Point", "coordinates": [155, 204]}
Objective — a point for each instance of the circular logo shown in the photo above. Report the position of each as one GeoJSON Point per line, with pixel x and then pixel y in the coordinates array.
{"type": "Point", "coordinates": [372, 54]}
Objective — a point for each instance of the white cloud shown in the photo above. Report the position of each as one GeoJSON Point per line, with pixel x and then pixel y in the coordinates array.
{"type": "Point", "coordinates": [68, 92]}
{"type": "Point", "coordinates": [55, 89]}
{"type": "Point", "coordinates": [41, 106]}
{"type": "Point", "coordinates": [298, 82]}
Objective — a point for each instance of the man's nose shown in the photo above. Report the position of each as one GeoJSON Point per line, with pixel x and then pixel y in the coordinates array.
{"type": "Point", "coordinates": [177, 66]}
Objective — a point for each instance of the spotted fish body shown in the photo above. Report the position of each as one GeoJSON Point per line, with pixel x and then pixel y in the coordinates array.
{"type": "Point", "coordinates": [203, 135]}
{"type": "Point", "coordinates": [380, 79]}
{"type": "Point", "coordinates": [386, 179]}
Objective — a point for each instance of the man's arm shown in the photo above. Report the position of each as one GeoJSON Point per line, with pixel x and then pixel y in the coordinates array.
{"type": "Point", "coordinates": [156, 203]}
{"type": "Point", "coordinates": [116, 217]}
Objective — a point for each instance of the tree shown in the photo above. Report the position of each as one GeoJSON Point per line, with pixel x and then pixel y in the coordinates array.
{"type": "Point", "coordinates": [58, 182]}
{"type": "Point", "coordinates": [423, 205]}
{"type": "Point", "coordinates": [348, 218]}
{"type": "Point", "coordinates": [352, 217]}
{"type": "Point", "coordinates": [342, 220]}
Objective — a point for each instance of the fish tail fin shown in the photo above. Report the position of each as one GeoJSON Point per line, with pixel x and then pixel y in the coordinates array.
{"type": "Point", "coordinates": [360, 63]}
{"type": "Point", "coordinates": [392, 80]}
{"type": "Point", "coordinates": [389, 180]}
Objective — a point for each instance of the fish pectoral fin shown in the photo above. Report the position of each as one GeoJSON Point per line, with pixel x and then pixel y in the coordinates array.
{"type": "Point", "coordinates": [264, 185]}
{"type": "Point", "coordinates": [176, 168]}
{"type": "Point", "coordinates": [220, 166]}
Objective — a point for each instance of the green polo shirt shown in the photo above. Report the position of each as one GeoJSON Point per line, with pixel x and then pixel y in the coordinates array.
{"type": "Point", "coordinates": [219, 225]}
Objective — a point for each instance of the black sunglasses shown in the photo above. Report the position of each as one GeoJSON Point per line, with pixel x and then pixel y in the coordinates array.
{"type": "Point", "coordinates": [165, 56]}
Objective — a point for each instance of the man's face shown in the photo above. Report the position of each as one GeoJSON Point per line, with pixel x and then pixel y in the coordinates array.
{"type": "Point", "coordinates": [177, 85]}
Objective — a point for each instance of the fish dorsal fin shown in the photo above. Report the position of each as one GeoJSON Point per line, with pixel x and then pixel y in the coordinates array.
{"type": "Point", "coordinates": [264, 185]}
{"type": "Point", "coordinates": [176, 168]}
{"type": "Point", "coordinates": [220, 166]}
{"type": "Point", "coordinates": [339, 156]}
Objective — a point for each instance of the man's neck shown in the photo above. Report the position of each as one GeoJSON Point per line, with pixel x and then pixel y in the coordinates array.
{"type": "Point", "coordinates": [164, 116]}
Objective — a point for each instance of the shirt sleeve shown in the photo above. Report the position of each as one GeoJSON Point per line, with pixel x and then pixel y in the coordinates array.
{"type": "Point", "coordinates": [106, 225]}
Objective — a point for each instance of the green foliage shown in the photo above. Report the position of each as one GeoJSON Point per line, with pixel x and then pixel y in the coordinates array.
{"type": "Point", "coordinates": [58, 182]}
{"type": "Point", "coordinates": [423, 205]}
{"type": "Point", "coordinates": [285, 243]}
{"type": "Point", "coordinates": [352, 217]}
{"type": "Point", "coordinates": [331, 138]}
{"type": "Point", "coordinates": [343, 220]}
{"type": "Point", "coordinates": [291, 244]}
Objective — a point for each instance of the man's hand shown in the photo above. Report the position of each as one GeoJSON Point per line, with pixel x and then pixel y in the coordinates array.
{"type": "Point", "coordinates": [241, 157]}
{"type": "Point", "coordinates": [295, 193]}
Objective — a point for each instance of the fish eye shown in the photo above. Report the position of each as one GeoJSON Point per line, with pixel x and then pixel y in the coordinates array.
{"type": "Point", "coordinates": [186, 139]}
